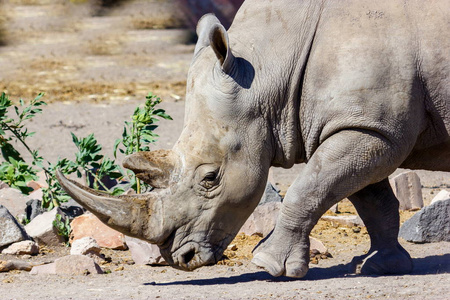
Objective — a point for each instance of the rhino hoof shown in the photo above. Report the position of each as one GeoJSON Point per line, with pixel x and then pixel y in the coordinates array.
{"type": "Point", "coordinates": [383, 262]}
{"type": "Point", "coordinates": [294, 268]}
{"type": "Point", "coordinates": [268, 263]}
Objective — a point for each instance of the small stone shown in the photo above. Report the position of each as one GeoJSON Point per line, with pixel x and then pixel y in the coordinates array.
{"type": "Point", "coordinates": [77, 265]}
{"type": "Point", "coordinates": [349, 221]}
{"type": "Point", "coordinates": [430, 224]}
{"type": "Point", "coordinates": [10, 230]}
{"type": "Point", "coordinates": [317, 245]}
{"type": "Point", "coordinates": [34, 209]}
{"type": "Point", "coordinates": [6, 266]}
{"type": "Point", "coordinates": [232, 247]}
{"type": "Point", "coordinates": [88, 225]}
{"type": "Point", "coordinates": [334, 208]}
{"type": "Point", "coordinates": [13, 200]}
{"type": "Point", "coordinates": [442, 195]}
{"type": "Point", "coordinates": [89, 247]}
{"type": "Point", "coordinates": [144, 253]}
{"type": "Point", "coordinates": [270, 195]}
{"type": "Point", "coordinates": [356, 229]}
{"type": "Point", "coordinates": [408, 190]}
{"type": "Point", "coordinates": [42, 230]}
{"type": "Point", "coordinates": [262, 220]}
{"type": "Point", "coordinates": [22, 248]}
{"type": "Point", "coordinates": [44, 269]}
{"type": "Point", "coordinates": [84, 246]}
{"type": "Point", "coordinates": [120, 268]}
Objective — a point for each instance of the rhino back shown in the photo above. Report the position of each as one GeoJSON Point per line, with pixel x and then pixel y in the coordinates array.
{"type": "Point", "coordinates": [381, 66]}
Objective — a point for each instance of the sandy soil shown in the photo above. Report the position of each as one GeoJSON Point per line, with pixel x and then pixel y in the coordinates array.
{"type": "Point", "coordinates": [95, 70]}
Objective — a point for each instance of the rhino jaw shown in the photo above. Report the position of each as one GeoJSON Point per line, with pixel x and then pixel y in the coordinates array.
{"type": "Point", "coordinates": [134, 215]}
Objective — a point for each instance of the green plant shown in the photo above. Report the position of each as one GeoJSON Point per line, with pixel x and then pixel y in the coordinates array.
{"type": "Point", "coordinates": [14, 170]}
{"type": "Point", "coordinates": [139, 133]}
{"type": "Point", "coordinates": [62, 225]}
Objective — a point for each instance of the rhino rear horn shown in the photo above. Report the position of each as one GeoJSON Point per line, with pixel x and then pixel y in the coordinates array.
{"type": "Point", "coordinates": [154, 168]}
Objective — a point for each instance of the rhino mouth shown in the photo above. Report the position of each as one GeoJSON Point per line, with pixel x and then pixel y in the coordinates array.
{"type": "Point", "coordinates": [191, 254]}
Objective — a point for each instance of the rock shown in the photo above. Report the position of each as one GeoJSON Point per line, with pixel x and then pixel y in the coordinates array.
{"type": "Point", "coordinates": [334, 208]}
{"type": "Point", "coordinates": [22, 248]}
{"type": "Point", "coordinates": [10, 265]}
{"type": "Point", "coordinates": [36, 195]}
{"type": "Point", "coordinates": [3, 185]}
{"type": "Point", "coordinates": [84, 246]}
{"type": "Point", "coordinates": [72, 209]}
{"type": "Point", "coordinates": [430, 224]}
{"type": "Point", "coordinates": [10, 230]}
{"type": "Point", "coordinates": [44, 269]}
{"type": "Point", "coordinates": [88, 225]}
{"type": "Point", "coordinates": [408, 190]}
{"type": "Point", "coordinates": [89, 247]}
{"type": "Point", "coordinates": [33, 209]}
{"type": "Point", "coordinates": [442, 195]}
{"type": "Point", "coordinates": [262, 220]}
{"type": "Point", "coordinates": [69, 265]}
{"type": "Point", "coordinates": [315, 244]}
{"type": "Point", "coordinates": [349, 221]}
{"type": "Point", "coordinates": [270, 195]}
{"type": "Point", "coordinates": [42, 230]}
{"type": "Point", "coordinates": [14, 201]}
{"type": "Point", "coordinates": [144, 253]}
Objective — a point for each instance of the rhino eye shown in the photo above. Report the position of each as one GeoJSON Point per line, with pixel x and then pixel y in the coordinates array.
{"type": "Point", "coordinates": [211, 176]}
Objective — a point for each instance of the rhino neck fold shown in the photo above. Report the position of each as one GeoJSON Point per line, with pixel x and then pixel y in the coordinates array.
{"type": "Point", "coordinates": [279, 71]}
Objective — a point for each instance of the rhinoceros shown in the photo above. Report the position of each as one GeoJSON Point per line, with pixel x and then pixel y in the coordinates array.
{"type": "Point", "coordinates": [352, 89]}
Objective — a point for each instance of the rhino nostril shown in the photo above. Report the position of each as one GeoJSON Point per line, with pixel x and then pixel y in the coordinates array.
{"type": "Point", "coordinates": [188, 256]}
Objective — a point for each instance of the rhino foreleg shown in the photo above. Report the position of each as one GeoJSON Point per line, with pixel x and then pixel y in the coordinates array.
{"type": "Point", "coordinates": [377, 206]}
{"type": "Point", "coordinates": [343, 164]}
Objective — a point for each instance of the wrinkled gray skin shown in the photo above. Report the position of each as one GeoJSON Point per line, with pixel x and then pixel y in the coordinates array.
{"type": "Point", "coordinates": [354, 89]}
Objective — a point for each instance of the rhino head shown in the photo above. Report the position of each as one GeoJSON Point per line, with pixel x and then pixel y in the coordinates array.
{"type": "Point", "coordinates": [213, 178]}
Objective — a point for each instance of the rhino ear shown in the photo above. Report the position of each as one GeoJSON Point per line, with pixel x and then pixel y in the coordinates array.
{"type": "Point", "coordinates": [153, 167]}
{"type": "Point", "coordinates": [211, 32]}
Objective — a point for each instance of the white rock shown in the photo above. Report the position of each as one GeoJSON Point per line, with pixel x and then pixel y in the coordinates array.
{"type": "Point", "coordinates": [441, 196]}
{"type": "Point", "coordinates": [42, 230]}
{"type": "Point", "coordinates": [22, 248]}
{"type": "Point", "coordinates": [349, 221]}
{"type": "Point", "coordinates": [85, 246]}
{"type": "Point", "coordinates": [408, 190]}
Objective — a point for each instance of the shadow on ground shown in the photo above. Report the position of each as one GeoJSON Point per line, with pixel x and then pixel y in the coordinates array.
{"type": "Point", "coordinates": [437, 264]}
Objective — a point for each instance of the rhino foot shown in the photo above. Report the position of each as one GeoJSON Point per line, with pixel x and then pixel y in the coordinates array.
{"type": "Point", "coordinates": [281, 261]}
{"type": "Point", "coordinates": [384, 261]}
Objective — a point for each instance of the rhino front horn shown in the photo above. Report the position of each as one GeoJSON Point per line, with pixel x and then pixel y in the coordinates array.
{"type": "Point", "coordinates": [129, 214]}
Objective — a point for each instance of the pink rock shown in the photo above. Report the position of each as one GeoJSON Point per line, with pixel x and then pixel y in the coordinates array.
{"type": "Point", "coordinates": [22, 248]}
{"type": "Point", "coordinates": [77, 265]}
{"type": "Point", "coordinates": [408, 190]}
{"type": "Point", "coordinates": [262, 220]}
{"type": "Point", "coordinates": [144, 253]}
{"type": "Point", "coordinates": [44, 269]}
{"type": "Point", "coordinates": [69, 265]}
{"type": "Point", "coordinates": [88, 225]}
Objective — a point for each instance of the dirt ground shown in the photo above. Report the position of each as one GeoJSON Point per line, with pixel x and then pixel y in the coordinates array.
{"type": "Point", "coordinates": [95, 65]}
